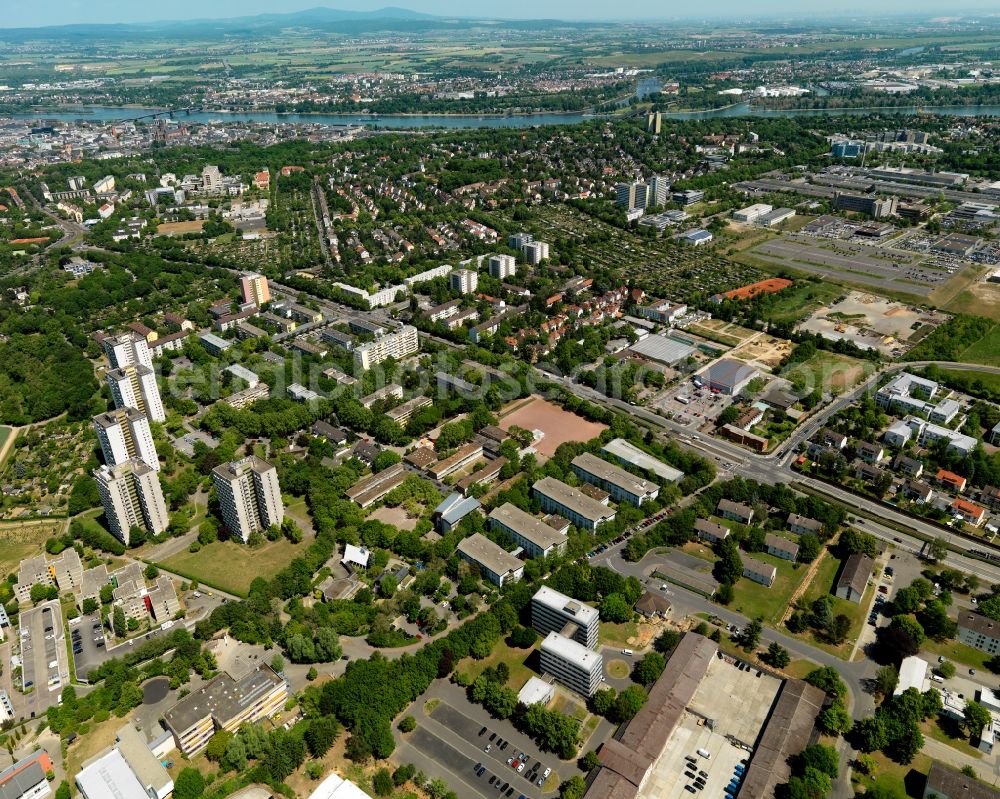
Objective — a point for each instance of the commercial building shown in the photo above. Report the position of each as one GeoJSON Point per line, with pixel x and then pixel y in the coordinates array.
{"type": "Point", "coordinates": [225, 703]}
{"type": "Point", "coordinates": [854, 576]}
{"type": "Point", "coordinates": [979, 631]}
{"type": "Point", "coordinates": [502, 266]}
{"type": "Point", "coordinates": [255, 289]}
{"type": "Point", "coordinates": [688, 197]}
{"type": "Point", "coordinates": [572, 664]}
{"type": "Point", "coordinates": [126, 770]}
{"type": "Point", "coordinates": [727, 376]}
{"type": "Point", "coordinates": [552, 611]}
{"type": "Point", "coordinates": [752, 212]}
{"type": "Point", "coordinates": [697, 237]}
{"type": "Point", "coordinates": [534, 536]}
{"type": "Point", "coordinates": [132, 497]}
{"type": "Point", "coordinates": [124, 435]}
{"type": "Point", "coordinates": [875, 207]}
{"type": "Point", "coordinates": [249, 496]}
{"type": "Point", "coordinates": [906, 392]}
{"type": "Point", "coordinates": [495, 564]}
{"type": "Point", "coordinates": [392, 345]}
{"type": "Point", "coordinates": [571, 503]}
{"type": "Point", "coordinates": [629, 454]}
{"type": "Point", "coordinates": [26, 779]}
{"type": "Point", "coordinates": [622, 485]}
{"type": "Point", "coordinates": [135, 387]}
{"type": "Point", "coordinates": [336, 787]}
{"type": "Point", "coordinates": [776, 217]}
{"type": "Point", "coordinates": [912, 674]}
{"type": "Point", "coordinates": [663, 349]}
{"type": "Point", "coordinates": [758, 571]}
{"type": "Point", "coordinates": [464, 281]}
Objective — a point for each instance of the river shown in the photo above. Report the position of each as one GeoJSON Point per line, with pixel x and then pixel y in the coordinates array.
{"type": "Point", "coordinates": [403, 121]}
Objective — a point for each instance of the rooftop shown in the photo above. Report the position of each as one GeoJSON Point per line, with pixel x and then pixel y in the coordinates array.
{"type": "Point", "coordinates": [630, 453]}
{"type": "Point", "coordinates": [615, 475]}
{"type": "Point", "coordinates": [573, 499]}
{"type": "Point", "coordinates": [528, 526]}
{"type": "Point", "coordinates": [568, 649]}
{"type": "Point", "coordinates": [479, 548]}
{"type": "Point", "coordinates": [551, 598]}
{"type": "Point", "coordinates": [223, 698]}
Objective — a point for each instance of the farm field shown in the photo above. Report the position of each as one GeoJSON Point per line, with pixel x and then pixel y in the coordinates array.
{"type": "Point", "coordinates": [24, 539]}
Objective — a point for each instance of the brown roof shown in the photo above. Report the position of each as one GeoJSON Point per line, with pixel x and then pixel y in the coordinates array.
{"type": "Point", "coordinates": [422, 457]}
{"type": "Point", "coordinates": [787, 733]}
{"type": "Point", "coordinates": [650, 603]}
{"type": "Point", "coordinates": [946, 781]}
{"type": "Point", "coordinates": [857, 569]}
{"type": "Point", "coordinates": [982, 625]}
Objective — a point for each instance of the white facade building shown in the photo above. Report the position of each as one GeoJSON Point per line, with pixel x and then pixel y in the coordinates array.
{"type": "Point", "coordinates": [124, 434]}
{"type": "Point", "coordinates": [249, 496]}
{"type": "Point", "coordinates": [132, 497]}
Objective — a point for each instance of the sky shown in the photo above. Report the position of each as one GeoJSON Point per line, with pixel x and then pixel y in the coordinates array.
{"type": "Point", "coordinates": [21, 13]}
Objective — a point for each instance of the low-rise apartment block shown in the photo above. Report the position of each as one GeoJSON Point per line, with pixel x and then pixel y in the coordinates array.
{"type": "Point", "coordinates": [622, 485]}
{"type": "Point", "coordinates": [781, 547]}
{"type": "Point", "coordinates": [735, 511]}
{"type": "Point", "coordinates": [979, 631]}
{"type": "Point", "coordinates": [466, 455]}
{"type": "Point", "coordinates": [369, 490]}
{"type": "Point", "coordinates": [534, 536]}
{"type": "Point", "coordinates": [397, 345]}
{"type": "Point", "coordinates": [758, 571]}
{"type": "Point", "coordinates": [495, 564]}
{"type": "Point", "coordinates": [571, 503]}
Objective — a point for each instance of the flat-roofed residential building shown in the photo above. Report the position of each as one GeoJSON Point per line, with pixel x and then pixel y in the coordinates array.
{"type": "Point", "coordinates": [487, 474]}
{"type": "Point", "coordinates": [495, 564]}
{"type": "Point", "coordinates": [758, 571]}
{"type": "Point", "coordinates": [128, 349]}
{"type": "Point", "coordinates": [464, 281]}
{"type": "Point", "coordinates": [466, 455]}
{"type": "Point", "coordinates": [248, 396]}
{"type": "Point", "coordinates": [397, 345]}
{"type": "Point", "coordinates": [710, 531]}
{"type": "Point", "coordinates": [735, 511]}
{"type": "Point", "coordinates": [402, 413]}
{"type": "Point", "coordinates": [390, 391]}
{"type": "Point", "coordinates": [338, 338]}
{"type": "Point", "coordinates": [64, 571]}
{"type": "Point", "coordinates": [135, 387]}
{"type": "Point", "coordinates": [26, 779]}
{"type": "Point", "coordinates": [225, 703]}
{"type": "Point", "coordinates": [502, 266]}
{"type": "Point", "coordinates": [161, 599]}
{"type": "Point", "coordinates": [124, 434]}
{"type": "Point", "coordinates": [132, 497]}
{"type": "Point", "coordinates": [249, 496]}
{"type": "Point", "coordinates": [622, 485]}
{"type": "Point", "coordinates": [213, 344]}
{"type": "Point", "coordinates": [452, 510]}
{"type": "Point", "coordinates": [552, 611]}
{"type": "Point", "coordinates": [571, 503]}
{"type": "Point", "coordinates": [574, 665]}
{"type": "Point", "coordinates": [629, 454]}
{"type": "Point", "coordinates": [369, 490]}
{"type": "Point", "coordinates": [255, 289]}
{"type": "Point", "coordinates": [301, 393]}
{"type": "Point", "coordinates": [307, 347]}
{"type": "Point", "coordinates": [781, 547]}
{"type": "Point", "coordinates": [534, 536]}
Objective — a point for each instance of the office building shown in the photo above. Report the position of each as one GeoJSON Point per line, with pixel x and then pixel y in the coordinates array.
{"type": "Point", "coordinates": [126, 770]}
{"type": "Point", "coordinates": [128, 349]}
{"type": "Point", "coordinates": [255, 289]}
{"type": "Point", "coordinates": [689, 197]}
{"type": "Point", "coordinates": [534, 536]}
{"type": "Point", "coordinates": [875, 207]}
{"type": "Point", "coordinates": [464, 281]}
{"type": "Point", "coordinates": [132, 497]}
{"type": "Point", "coordinates": [134, 386]}
{"type": "Point", "coordinates": [249, 496]}
{"type": "Point", "coordinates": [622, 485]}
{"type": "Point", "coordinates": [495, 564]}
{"type": "Point", "coordinates": [225, 703]}
{"type": "Point", "coordinates": [571, 503]}
{"type": "Point", "coordinates": [659, 190]}
{"type": "Point", "coordinates": [124, 435]}
{"type": "Point", "coordinates": [26, 779]}
{"type": "Point", "coordinates": [572, 664]}
{"type": "Point", "coordinates": [752, 212]}
{"type": "Point", "coordinates": [397, 345]}
{"type": "Point", "coordinates": [555, 612]}
{"type": "Point", "coordinates": [502, 266]}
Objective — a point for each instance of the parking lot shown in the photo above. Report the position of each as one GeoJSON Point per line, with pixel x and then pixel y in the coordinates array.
{"type": "Point", "coordinates": [693, 406]}
{"type": "Point", "coordinates": [45, 665]}
{"type": "Point", "coordinates": [89, 644]}
{"type": "Point", "coordinates": [451, 741]}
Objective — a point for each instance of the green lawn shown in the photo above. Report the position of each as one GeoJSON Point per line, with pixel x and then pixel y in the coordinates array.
{"type": "Point", "coordinates": [823, 584]}
{"type": "Point", "coordinates": [798, 301]}
{"type": "Point", "coordinates": [986, 350]}
{"type": "Point", "coordinates": [617, 634]}
{"type": "Point", "coordinates": [958, 652]}
{"type": "Point", "coordinates": [947, 731]}
{"type": "Point", "coordinates": [891, 775]}
{"type": "Point", "coordinates": [830, 372]}
{"type": "Point", "coordinates": [232, 567]}
{"type": "Point", "coordinates": [754, 600]}
{"type": "Point", "coordinates": [502, 653]}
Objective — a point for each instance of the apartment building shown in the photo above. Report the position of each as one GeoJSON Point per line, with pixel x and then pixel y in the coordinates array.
{"type": "Point", "coordinates": [781, 547]}
{"type": "Point", "coordinates": [369, 490]}
{"type": "Point", "coordinates": [128, 349]}
{"type": "Point", "coordinates": [464, 281]}
{"type": "Point", "coordinates": [397, 345]}
{"type": "Point", "coordinates": [584, 511]}
{"type": "Point", "coordinates": [249, 495]}
{"type": "Point", "coordinates": [552, 611]}
{"type": "Point", "coordinates": [124, 435]}
{"type": "Point", "coordinates": [466, 455]}
{"type": "Point", "coordinates": [572, 664]}
{"type": "Point", "coordinates": [225, 703]}
{"type": "Point", "coordinates": [800, 525]}
{"type": "Point", "coordinates": [64, 571]}
{"type": "Point", "coordinates": [710, 531]}
{"type": "Point", "coordinates": [403, 412]}
{"type": "Point", "coordinates": [534, 536]}
{"type": "Point", "coordinates": [758, 571]}
{"type": "Point", "coordinates": [979, 631]}
{"type": "Point", "coordinates": [132, 497]}
{"type": "Point", "coordinates": [495, 564]}
{"type": "Point", "coordinates": [248, 396]}
{"type": "Point", "coordinates": [735, 511]}
{"type": "Point", "coordinates": [134, 386]}
{"type": "Point", "coordinates": [254, 288]}
{"type": "Point", "coordinates": [621, 484]}
{"type": "Point", "coordinates": [502, 266]}
{"type": "Point", "coordinates": [629, 454]}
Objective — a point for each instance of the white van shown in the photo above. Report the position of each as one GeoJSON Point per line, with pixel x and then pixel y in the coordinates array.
{"type": "Point", "coordinates": [628, 652]}
{"type": "Point", "coordinates": [937, 678]}
{"type": "Point", "coordinates": [705, 754]}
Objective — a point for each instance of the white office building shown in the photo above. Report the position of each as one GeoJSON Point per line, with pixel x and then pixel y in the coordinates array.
{"type": "Point", "coordinates": [572, 664]}
{"type": "Point", "coordinates": [249, 496]}
{"type": "Point", "coordinates": [552, 611]}
{"type": "Point", "coordinates": [397, 345]}
{"type": "Point", "coordinates": [124, 435]}
{"type": "Point", "coordinates": [132, 497]}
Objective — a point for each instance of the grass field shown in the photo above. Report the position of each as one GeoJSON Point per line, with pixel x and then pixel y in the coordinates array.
{"type": "Point", "coordinates": [757, 601]}
{"type": "Point", "coordinates": [798, 301]}
{"type": "Point", "coordinates": [822, 584]}
{"type": "Point", "coordinates": [5, 436]}
{"type": "Point", "coordinates": [985, 351]}
{"type": "Point", "coordinates": [232, 567]}
{"type": "Point", "coordinates": [502, 653]}
{"type": "Point", "coordinates": [830, 372]}
{"type": "Point", "coordinates": [896, 778]}
{"type": "Point", "coordinates": [23, 539]}
{"type": "Point", "coordinates": [958, 652]}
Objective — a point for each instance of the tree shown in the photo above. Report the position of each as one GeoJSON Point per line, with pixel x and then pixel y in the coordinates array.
{"type": "Point", "coordinates": [602, 703]}
{"type": "Point", "coordinates": [937, 549]}
{"type": "Point", "coordinates": [835, 720]}
{"type": "Point", "coordinates": [320, 735]}
{"type": "Point", "coordinates": [572, 788]}
{"type": "Point", "coordinates": [278, 663]}
{"type": "Point", "coordinates": [523, 637]}
{"type": "Point", "coordinates": [407, 724]}
{"type": "Point", "coordinates": [777, 655]}
{"type": "Point", "coordinates": [827, 679]}
{"type": "Point", "coordinates": [589, 761]}
{"type": "Point", "coordinates": [382, 782]}
{"type": "Point", "coordinates": [387, 586]}
{"type": "Point", "coordinates": [666, 641]}
{"type": "Point", "coordinates": [886, 680]}
{"type": "Point", "coordinates": [118, 622]}
{"type": "Point", "coordinates": [628, 703]}
{"type": "Point", "coordinates": [615, 609]}
{"type": "Point", "coordinates": [749, 637]}
{"type": "Point", "coordinates": [822, 758]}
{"type": "Point", "coordinates": [90, 605]}
{"type": "Point", "coordinates": [946, 669]}
{"type": "Point", "coordinates": [648, 670]}
{"type": "Point", "coordinates": [975, 717]}
{"type": "Point", "coordinates": [189, 784]}
{"type": "Point", "coordinates": [809, 548]}
{"type": "Point", "coordinates": [729, 567]}
{"type": "Point", "coordinates": [217, 744]}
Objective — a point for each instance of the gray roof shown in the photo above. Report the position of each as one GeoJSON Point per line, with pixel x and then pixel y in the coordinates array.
{"type": "Point", "coordinates": [455, 507]}
{"type": "Point", "coordinates": [19, 783]}
{"type": "Point", "coordinates": [857, 569]}
{"type": "Point", "coordinates": [479, 548]}
{"type": "Point", "coordinates": [615, 475]}
{"type": "Point", "coordinates": [573, 498]}
{"type": "Point", "coordinates": [727, 372]}
{"type": "Point", "coordinates": [664, 349]}
{"type": "Point", "coordinates": [223, 698]}
{"type": "Point", "coordinates": [947, 782]}
{"type": "Point", "coordinates": [773, 541]}
{"type": "Point", "coordinates": [524, 524]}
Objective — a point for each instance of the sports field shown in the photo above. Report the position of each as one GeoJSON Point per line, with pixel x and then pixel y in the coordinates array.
{"type": "Point", "coordinates": [557, 425]}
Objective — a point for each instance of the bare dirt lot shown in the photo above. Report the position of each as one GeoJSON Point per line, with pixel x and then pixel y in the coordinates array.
{"type": "Point", "coordinates": [557, 425]}
{"type": "Point", "coordinates": [871, 322]}
{"type": "Point", "coordinates": [180, 228]}
{"type": "Point", "coordinates": [394, 516]}
{"type": "Point", "coordinates": [765, 350]}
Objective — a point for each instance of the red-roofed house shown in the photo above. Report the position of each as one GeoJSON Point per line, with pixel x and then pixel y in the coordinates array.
{"type": "Point", "coordinates": [969, 512]}
{"type": "Point", "coordinates": [951, 480]}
